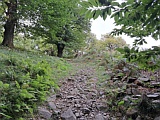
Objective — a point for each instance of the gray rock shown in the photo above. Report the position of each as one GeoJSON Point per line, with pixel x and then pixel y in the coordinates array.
{"type": "Point", "coordinates": [107, 117]}
{"type": "Point", "coordinates": [77, 105]}
{"type": "Point", "coordinates": [51, 98]}
{"type": "Point", "coordinates": [156, 102]}
{"type": "Point", "coordinates": [153, 96]}
{"type": "Point", "coordinates": [71, 79]}
{"type": "Point", "coordinates": [70, 97]}
{"type": "Point", "coordinates": [58, 95]}
{"type": "Point", "coordinates": [129, 91]}
{"type": "Point", "coordinates": [121, 85]}
{"type": "Point", "coordinates": [138, 118]}
{"type": "Point", "coordinates": [115, 79]}
{"type": "Point", "coordinates": [84, 97]}
{"type": "Point", "coordinates": [125, 69]}
{"type": "Point", "coordinates": [135, 91]}
{"type": "Point", "coordinates": [57, 112]}
{"type": "Point", "coordinates": [113, 118]}
{"type": "Point", "coordinates": [90, 95]}
{"type": "Point", "coordinates": [52, 90]}
{"type": "Point", "coordinates": [77, 115]}
{"type": "Point", "coordinates": [79, 88]}
{"type": "Point", "coordinates": [85, 110]}
{"type": "Point", "coordinates": [134, 85]}
{"type": "Point", "coordinates": [99, 117]}
{"type": "Point", "coordinates": [157, 118]}
{"type": "Point", "coordinates": [127, 98]}
{"type": "Point", "coordinates": [44, 113]}
{"type": "Point", "coordinates": [118, 114]}
{"type": "Point", "coordinates": [155, 84]}
{"type": "Point", "coordinates": [59, 106]}
{"type": "Point", "coordinates": [101, 93]}
{"type": "Point", "coordinates": [101, 107]}
{"type": "Point", "coordinates": [144, 79]}
{"type": "Point", "coordinates": [74, 91]}
{"type": "Point", "coordinates": [132, 113]}
{"type": "Point", "coordinates": [83, 118]}
{"type": "Point", "coordinates": [68, 115]}
{"type": "Point", "coordinates": [52, 105]}
{"type": "Point", "coordinates": [131, 80]}
{"type": "Point", "coordinates": [124, 118]}
{"type": "Point", "coordinates": [136, 96]}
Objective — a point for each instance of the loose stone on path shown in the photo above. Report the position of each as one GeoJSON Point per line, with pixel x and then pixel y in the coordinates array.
{"type": "Point", "coordinates": [77, 100]}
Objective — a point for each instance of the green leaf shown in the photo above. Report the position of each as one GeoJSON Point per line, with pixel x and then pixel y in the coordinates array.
{"type": "Point", "coordinates": [96, 13]}
{"type": "Point", "coordinates": [17, 85]}
{"type": "Point", "coordinates": [115, 4]}
{"type": "Point", "coordinates": [6, 85]}
{"type": "Point", "coordinates": [121, 103]}
{"type": "Point", "coordinates": [83, 11]}
{"type": "Point", "coordinates": [104, 15]}
{"type": "Point", "coordinates": [109, 11]}
{"type": "Point", "coordinates": [120, 15]}
{"type": "Point", "coordinates": [1, 84]}
{"type": "Point", "coordinates": [121, 50]}
{"type": "Point", "coordinates": [116, 17]}
{"type": "Point", "coordinates": [93, 2]}
{"type": "Point", "coordinates": [130, 1]}
{"type": "Point", "coordinates": [88, 14]}
{"type": "Point", "coordinates": [25, 94]}
{"type": "Point", "coordinates": [126, 14]}
{"type": "Point", "coordinates": [85, 4]}
{"type": "Point", "coordinates": [7, 116]}
{"type": "Point", "coordinates": [145, 1]}
{"type": "Point", "coordinates": [123, 4]}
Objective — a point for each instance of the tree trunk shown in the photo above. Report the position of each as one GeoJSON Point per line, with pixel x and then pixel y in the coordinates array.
{"type": "Point", "coordinates": [10, 24]}
{"type": "Point", "coordinates": [60, 47]}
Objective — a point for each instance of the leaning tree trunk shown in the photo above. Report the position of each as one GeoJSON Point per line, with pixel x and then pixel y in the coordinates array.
{"type": "Point", "coordinates": [60, 47]}
{"type": "Point", "coordinates": [10, 23]}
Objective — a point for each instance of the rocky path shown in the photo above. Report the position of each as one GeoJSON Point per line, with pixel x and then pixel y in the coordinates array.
{"type": "Point", "coordinates": [81, 98]}
{"type": "Point", "coordinates": [78, 99]}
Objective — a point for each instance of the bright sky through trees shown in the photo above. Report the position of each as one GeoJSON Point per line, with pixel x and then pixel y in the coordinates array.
{"type": "Point", "coordinates": [99, 27]}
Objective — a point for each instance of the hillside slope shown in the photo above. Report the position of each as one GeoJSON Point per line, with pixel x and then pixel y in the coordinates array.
{"type": "Point", "coordinates": [26, 78]}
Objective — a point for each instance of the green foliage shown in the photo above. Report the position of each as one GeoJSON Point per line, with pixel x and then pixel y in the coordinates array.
{"type": "Point", "coordinates": [130, 54]}
{"type": "Point", "coordinates": [25, 82]}
{"type": "Point", "coordinates": [65, 27]}
{"type": "Point", "coordinates": [110, 43]}
{"type": "Point", "coordinates": [24, 85]}
{"type": "Point", "coordinates": [121, 103]}
{"type": "Point", "coordinates": [136, 18]}
{"type": "Point", "coordinates": [146, 59]}
{"type": "Point", "coordinates": [57, 22]}
{"type": "Point", "coordinates": [107, 43]}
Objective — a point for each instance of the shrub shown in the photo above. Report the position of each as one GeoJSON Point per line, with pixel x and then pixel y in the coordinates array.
{"type": "Point", "coordinates": [146, 59]}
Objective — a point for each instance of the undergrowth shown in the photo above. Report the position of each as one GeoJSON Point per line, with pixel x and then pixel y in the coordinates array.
{"type": "Point", "coordinates": [25, 81]}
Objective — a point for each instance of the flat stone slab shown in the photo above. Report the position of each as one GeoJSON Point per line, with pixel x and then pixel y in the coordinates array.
{"type": "Point", "coordinates": [52, 105]}
{"type": "Point", "coordinates": [144, 79]}
{"type": "Point", "coordinates": [44, 113]}
{"type": "Point", "coordinates": [68, 115]}
{"type": "Point", "coordinates": [99, 117]}
{"type": "Point", "coordinates": [153, 96]}
{"type": "Point", "coordinates": [156, 84]}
